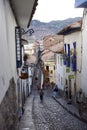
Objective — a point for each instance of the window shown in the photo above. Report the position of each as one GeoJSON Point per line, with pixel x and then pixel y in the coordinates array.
{"type": "Point", "coordinates": [51, 71]}
{"type": "Point", "coordinates": [47, 68]}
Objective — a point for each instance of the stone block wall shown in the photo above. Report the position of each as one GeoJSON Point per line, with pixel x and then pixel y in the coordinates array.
{"type": "Point", "coordinates": [8, 109]}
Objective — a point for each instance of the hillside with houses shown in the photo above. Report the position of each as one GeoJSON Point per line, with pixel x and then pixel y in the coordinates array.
{"type": "Point", "coordinates": [42, 29]}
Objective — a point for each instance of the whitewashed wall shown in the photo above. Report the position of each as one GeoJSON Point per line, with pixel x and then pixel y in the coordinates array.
{"type": "Point", "coordinates": [7, 47]}
{"type": "Point", "coordinates": [59, 72]}
{"type": "Point", "coordinates": [84, 52]}
{"type": "Point", "coordinates": [69, 39]}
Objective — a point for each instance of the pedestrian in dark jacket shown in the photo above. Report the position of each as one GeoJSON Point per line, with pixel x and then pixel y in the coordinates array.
{"type": "Point", "coordinates": [55, 91]}
{"type": "Point", "coordinates": [41, 95]}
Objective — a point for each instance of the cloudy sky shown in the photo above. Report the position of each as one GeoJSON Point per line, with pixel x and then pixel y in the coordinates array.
{"type": "Point", "coordinates": [48, 10]}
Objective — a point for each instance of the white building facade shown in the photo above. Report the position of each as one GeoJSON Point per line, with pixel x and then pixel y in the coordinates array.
{"type": "Point", "coordinates": [9, 83]}
{"type": "Point", "coordinates": [8, 73]}
{"type": "Point", "coordinates": [72, 57]}
{"type": "Point", "coordinates": [59, 71]}
{"type": "Point", "coordinates": [84, 53]}
{"type": "Point", "coordinates": [83, 4]}
{"type": "Point", "coordinates": [7, 51]}
{"type": "Point", "coordinates": [74, 76]}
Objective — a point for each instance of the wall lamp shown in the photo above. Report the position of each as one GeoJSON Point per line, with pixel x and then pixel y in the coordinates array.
{"type": "Point", "coordinates": [29, 31]}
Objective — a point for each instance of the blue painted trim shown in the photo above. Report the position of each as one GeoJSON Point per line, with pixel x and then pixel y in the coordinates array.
{"type": "Point", "coordinates": [64, 62]}
{"type": "Point", "coordinates": [74, 45]}
{"type": "Point", "coordinates": [68, 57]}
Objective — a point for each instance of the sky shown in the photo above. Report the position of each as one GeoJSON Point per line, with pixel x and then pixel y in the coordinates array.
{"type": "Point", "coordinates": [49, 10]}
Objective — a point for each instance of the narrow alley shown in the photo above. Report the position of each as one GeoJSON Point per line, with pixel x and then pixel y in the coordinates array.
{"type": "Point", "coordinates": [48, 115]}
{"type": "Point", "coordinates": [37, 54]}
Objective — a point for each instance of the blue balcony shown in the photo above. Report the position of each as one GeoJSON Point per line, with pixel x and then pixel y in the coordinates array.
{"type": "Point", "coordinates": [81, 3]}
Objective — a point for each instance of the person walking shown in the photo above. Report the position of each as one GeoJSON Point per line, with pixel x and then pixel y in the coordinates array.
{"type": "Point", "coordinates": [55, 90]}
{"type": "Point", "coordinates": [41, 95]}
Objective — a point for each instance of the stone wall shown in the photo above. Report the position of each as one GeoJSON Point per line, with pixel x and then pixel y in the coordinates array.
{"type": "Point", "coordinates": [8, 109]}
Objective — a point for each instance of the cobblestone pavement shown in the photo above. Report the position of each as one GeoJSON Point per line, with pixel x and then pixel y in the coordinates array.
{"type": "Point", "coordinates": [49, 115]}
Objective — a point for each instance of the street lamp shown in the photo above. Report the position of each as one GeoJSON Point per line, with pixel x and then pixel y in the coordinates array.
{"type": "Point", "coordinates": [29, 31]}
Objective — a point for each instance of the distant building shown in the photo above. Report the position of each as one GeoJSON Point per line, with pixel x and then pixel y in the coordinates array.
{"type": "Point", "coordinates": [53, 44]}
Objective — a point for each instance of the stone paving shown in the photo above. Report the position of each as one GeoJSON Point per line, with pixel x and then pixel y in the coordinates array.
{"type": "Point", "coordinates": [71, 108]}
{"type": "Point", "coordinates": [26, 122]}
{"type": "Point", "coordinates": [48, 115]}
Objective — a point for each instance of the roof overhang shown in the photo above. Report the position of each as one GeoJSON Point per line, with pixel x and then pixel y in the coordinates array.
{"type": "Point", "coordinates": [71, 28]}
{"type": "Point", "coordinates": [23, 11]}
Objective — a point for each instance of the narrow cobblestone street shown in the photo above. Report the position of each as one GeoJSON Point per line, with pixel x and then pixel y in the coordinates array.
{"type": "Point", "coordinates": [49, 115]}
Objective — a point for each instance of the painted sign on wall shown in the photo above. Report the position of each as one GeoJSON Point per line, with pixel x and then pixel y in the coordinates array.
{"type": "Point", "coordinates": [18, 47]}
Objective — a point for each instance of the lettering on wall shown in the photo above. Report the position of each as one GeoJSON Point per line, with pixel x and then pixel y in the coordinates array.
{"type": "Point", "coordinates": [18, 47]}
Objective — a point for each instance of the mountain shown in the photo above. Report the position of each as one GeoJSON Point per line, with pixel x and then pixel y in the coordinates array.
{"type": "Point", "coordinates": [42, 29]}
